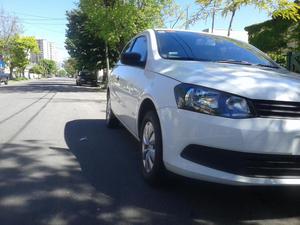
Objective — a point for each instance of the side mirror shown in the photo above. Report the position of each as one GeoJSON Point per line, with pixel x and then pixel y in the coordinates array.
{"type": "Point", "coordinates": [132, 59]}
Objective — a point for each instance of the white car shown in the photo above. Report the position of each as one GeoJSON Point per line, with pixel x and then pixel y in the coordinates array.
{"type": "Point", "coordinates": [207, 107]}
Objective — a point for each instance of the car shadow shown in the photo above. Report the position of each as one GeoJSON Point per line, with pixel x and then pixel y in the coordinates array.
{"type": "Point", "coordinates": [109, 161]}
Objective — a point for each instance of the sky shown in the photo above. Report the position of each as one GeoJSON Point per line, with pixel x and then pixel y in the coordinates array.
{"type": "Point", "coordinates": [45, 19]}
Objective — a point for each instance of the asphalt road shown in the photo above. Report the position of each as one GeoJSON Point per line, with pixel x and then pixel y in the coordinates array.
{"type": "Point", "coordinates": [60, 165]}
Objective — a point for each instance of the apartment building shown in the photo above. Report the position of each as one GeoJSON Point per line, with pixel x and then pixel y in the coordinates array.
{"type": "Point", "coordinates": [48, 50]}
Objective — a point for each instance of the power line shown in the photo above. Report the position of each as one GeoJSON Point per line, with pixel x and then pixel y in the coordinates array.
{"type": "Point", "coordinates": [37, 16]}
{"type": "Point", "coordinates": [39, 19]}
{"type": "Point", "coordinates": [50, 24]}
{"type": "Point", "coordinates": [50, 30]}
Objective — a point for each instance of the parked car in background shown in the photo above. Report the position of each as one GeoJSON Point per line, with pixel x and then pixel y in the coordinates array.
{"type": "Point", "coordinates": [207, 107]}
{"type": "Point", "coordinates": [4, 78]}
{"type": "Point", "coordinates": [87, 78]}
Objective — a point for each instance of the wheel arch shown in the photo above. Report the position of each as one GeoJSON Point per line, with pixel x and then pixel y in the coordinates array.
{"type": "Point", "coordinates": [146, 106]}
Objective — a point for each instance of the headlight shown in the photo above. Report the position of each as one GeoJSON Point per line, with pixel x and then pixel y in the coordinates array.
{"type": "Point", "coordinates": [212, 102]}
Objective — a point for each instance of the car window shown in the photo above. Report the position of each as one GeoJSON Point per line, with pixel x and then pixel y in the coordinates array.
{"type": "Point", "coordinates": [196, 46]}
{"type": "Point", "coordinates": [140, 46]}
{"type": "Point", "coordinates": [127, 47]}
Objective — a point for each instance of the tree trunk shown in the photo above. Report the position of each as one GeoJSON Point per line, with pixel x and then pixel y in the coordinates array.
{"type": "Point", "coordinates": [105, 75]}
{"type": "Point", "coordinates": [213, 18]}
{"type": "Point", "coordinates": [11, 69]}
{"type": "Point", "coordinates": [213, 22]}
{"type": "Point", "coordinates": [230, 24]}
{"type": "Point", "coordinates": [187, 19]}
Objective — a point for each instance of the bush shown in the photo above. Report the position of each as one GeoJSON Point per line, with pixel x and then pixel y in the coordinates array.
{"type": "Point", "coordinates": [279, 58]}
{"type": "Point", "coordinates": [20, 78]}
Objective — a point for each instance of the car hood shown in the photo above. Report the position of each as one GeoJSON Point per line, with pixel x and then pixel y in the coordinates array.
{"type": "Point", "coordinates": [244, 80]}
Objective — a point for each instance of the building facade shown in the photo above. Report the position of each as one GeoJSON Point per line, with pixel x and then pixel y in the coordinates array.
{"type": "Point", "coordinates": [48, 50]}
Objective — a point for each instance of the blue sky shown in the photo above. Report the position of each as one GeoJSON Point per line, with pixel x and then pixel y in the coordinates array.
{"type": "Point", "coordinates": [35, 14]}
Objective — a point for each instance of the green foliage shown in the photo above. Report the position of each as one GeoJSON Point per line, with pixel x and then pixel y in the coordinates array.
{"type": "Point", "coordinates": [118, 21]}
{"type": "Point", "coordinates": [61, 73]}
{"type": "Point", "coordinates": [16, 51]}
{"type": "Point", "coordinates": [20, 78]}
{"type": "Point", "coordinates": [84, 45]}
{"type": "Point", "coordinates": [279, 58]}
{"type": "Point", "coordinates": [281, 9]}
{"type": "Point", "coordinates": [48, 67]}
{"type": "Point", "coordinates": [173, 16]}
{"type": "Point", "coordinates": [70, 65]}
{"type": "Point", "coordinates": [273, 36]}
{"type": "Point", "coordinates": [99, 29]}
{"type": "Point", "coordinates": [287, 10]}
{"type": "Point", "coordinates": [37, 69]}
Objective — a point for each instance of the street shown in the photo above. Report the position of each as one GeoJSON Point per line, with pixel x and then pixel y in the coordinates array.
{"type": "Point", "coordinates": [60, 165]}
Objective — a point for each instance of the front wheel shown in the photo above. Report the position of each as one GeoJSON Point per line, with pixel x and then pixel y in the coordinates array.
{"type": "Point", "coordinates": [111, 119]}
{"type": "Point", "coordinates": [153, 169]}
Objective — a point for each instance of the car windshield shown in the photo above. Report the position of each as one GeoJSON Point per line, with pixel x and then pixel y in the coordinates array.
{"type": "Point", "coordinates": [182, 45]}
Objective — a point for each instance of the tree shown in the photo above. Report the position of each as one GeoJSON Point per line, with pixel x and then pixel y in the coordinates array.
{"type": "Point", "coordinates": [277, 8]}
{"type": "Point", "coordinates": [37, 69]}
{"type": "Point", "coordinates": [61, 73]}
{"type": "Point", "coordinates": [209, 8]}
{"type": "Point", "coordinates": [16, 52]}
{"type": "Point", "coordinates": [71, 66]}
{"type": "Point", "coordinates": [287, 10]}
{"type": "Point", "coordinates": [276, 37]}
{"type": "Point", "coordinates": [48, 66]}
{"type": "Point", "coordinates": [232, 6]}
{"type": "Point", "coordinates": [9, 26]}
{"type": "Point", "coordinates": [115, 22]}
{"type": "Point", "coordinates": [85, 47]}
{"type": "Point", "coordinates": [173, 16]}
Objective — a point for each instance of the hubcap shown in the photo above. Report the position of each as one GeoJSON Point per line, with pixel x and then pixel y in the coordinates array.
{"type": "Point", "coordinates": [148, 147]}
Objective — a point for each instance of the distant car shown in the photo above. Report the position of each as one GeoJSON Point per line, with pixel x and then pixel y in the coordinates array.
{"type": "Point", "coordinates": [3, 78]}
{"type": "Point", "coordinates": [86, 77]}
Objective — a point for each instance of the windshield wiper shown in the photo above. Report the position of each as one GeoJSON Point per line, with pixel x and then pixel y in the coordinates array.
{"type": "Point", "coordinates": [234, 62]}
{"type": "Point", "coordinates": [269, 66]}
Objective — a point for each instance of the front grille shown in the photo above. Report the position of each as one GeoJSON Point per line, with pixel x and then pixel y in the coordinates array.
{"type": "Point", "coordinates": [245, 164]}
{"type": "Point", "coordinates": [266, 108]}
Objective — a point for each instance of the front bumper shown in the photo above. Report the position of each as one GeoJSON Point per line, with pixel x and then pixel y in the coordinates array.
{"type": "Point", "coordinates": [265, 136]}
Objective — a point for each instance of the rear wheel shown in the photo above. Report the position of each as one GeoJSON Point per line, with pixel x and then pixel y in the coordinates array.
{"type": "Point", "coordinates": [111, 119]}
{"type": "Point", "coordinates": [6, 82]}
{"type": "Point", "coordinates": [153, 169]}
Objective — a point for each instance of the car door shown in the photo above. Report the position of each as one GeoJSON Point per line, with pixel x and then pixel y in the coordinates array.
{"type": "Point", "coordinates": [130, 80]}
{"type": "Point", "coordinates": [115, 85]}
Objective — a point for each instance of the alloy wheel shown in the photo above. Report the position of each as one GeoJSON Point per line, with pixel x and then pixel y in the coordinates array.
{"type": "Point", "coordinates": [148, 147]}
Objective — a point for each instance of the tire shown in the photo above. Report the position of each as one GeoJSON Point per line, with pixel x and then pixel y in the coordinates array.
{"type": "Point", "coordinates": [152, 153]}
{"type": "Point", "coordinates": [6, 82]}
{"type": "Point", "coordinates": [111, 119]}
